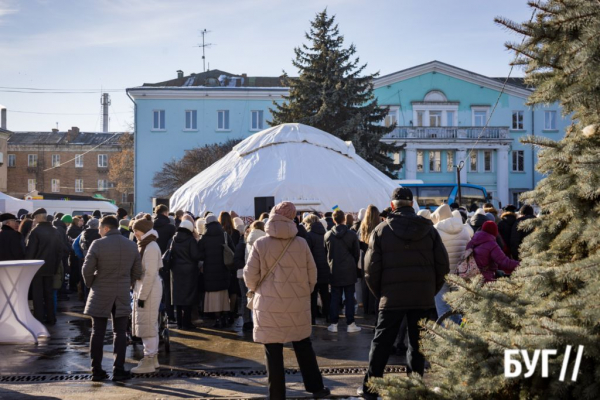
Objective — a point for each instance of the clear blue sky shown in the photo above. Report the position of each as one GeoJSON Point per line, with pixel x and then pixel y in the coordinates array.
{"type": "Point", "coordinates": [115, 44]}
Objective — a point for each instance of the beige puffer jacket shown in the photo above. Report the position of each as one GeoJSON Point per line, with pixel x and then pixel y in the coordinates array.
{"type": "Point", "coordinates": [455, 235]}
{"type": "Point", "coordinates": [282, 303]}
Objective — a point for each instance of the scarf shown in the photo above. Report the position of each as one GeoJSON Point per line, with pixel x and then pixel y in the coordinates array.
{"type": "Point", "coordinates": [148, 238]}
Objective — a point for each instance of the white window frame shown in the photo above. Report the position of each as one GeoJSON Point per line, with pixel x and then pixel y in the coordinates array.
{"type": "Point", "coordinates": [515, 153]}
{"type": "Point", "coordinates": [225, 124]}
{"type": "Point", "coordinates": [78, 185]}
{"type": "Point", "coordinates": [259, 119]}
{"type": "Point", "coordinates": [491, 160]}
{"type": "Point", "coordinates": [12, 161]}
{"type": "Point", "coordinates": [437, 160]}
{"type": "Point", "coordinates": [55, 185]}
{"type": "Point", "coordinates": [160, 125]}
{"type": "Point", "coordinates": [422, 154]}
{"type": "Point", "coordinates": [79, 161]}
{"type": "Point", "coordinates": [391, 117]}
{"type": "Point", "coordinates": [478, 109]}
{"type": "Point", "coordinates": [32, 160]}
{"type": "Point", "coordinates": [193, 125]}
{"type": "Point", "coordinates": [102, 185]}
{"type": "Point", "coordinates": [470, 153]}
{"type": "Point", "coordinates": [55, 160]}
{"type": "Point", "coordinates": [552, 126]}
{"type": "Point", "coordinates": [512, 121]}
{"type": "Point", "coordinates": [102, 160]}
{"type": "Point", "coordinates": [450, 154]}
{"type": "Point", "coordinates": [31, 185]}
{"type": "Point", "coordinates": [426, 108]}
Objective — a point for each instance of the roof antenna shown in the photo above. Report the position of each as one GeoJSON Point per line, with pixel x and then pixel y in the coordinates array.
{"type": "Point", "coordinates": [204, 45]}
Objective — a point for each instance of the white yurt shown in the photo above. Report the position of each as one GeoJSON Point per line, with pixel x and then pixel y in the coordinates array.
{"type": "Point", "coordinates": [12, 205]}
{"type": "Point", "coordinates": [290, 162]}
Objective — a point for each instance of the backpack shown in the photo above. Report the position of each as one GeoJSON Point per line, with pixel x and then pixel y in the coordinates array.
{"type": "Point", "coordinates": [467, 266]}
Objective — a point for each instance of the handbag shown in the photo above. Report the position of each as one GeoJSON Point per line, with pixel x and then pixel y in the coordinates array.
{"type": "Point", "coordinates": [250, 293]}
{"type": "Point", "coordinates": [467, 266]}
{"type": "Point", "coordinates": [228, 255]}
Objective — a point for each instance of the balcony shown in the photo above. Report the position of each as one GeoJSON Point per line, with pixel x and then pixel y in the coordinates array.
{"type": "Point", "coordinates": [450, 132]}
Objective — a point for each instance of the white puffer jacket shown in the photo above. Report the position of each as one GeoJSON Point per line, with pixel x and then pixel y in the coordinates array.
{"type": "Point", "coordinates": [455, 235]}
{"type": "Point", "coordinates": [253, 236]}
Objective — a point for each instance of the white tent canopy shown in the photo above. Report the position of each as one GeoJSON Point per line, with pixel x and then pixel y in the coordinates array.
{"type": "Point", "coordinates": [9, 204]}
{"type": "Point", "coordinates": [291, 162]}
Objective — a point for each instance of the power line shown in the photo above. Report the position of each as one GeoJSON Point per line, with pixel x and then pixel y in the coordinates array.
{"type": "Point", "coordinates": [65, 91]}
{"type": "Point", "coordinates": [82, 154]}
{"type": "Point", "coordinates": [50, 113]}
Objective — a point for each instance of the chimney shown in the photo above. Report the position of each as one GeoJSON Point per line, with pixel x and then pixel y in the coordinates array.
{"type": "Point", "coordinates": [72, 134]}
{"type": "Point", "coordinates": [54, 130]}
{"type": "Point", "coordinates": [3, 118]}
{"type": "Point", "coordinates": [179, 74]}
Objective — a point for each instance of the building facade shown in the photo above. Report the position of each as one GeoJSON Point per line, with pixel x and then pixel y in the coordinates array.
{"type": "Point", "coordinates": [62, 164]}
{"type": "Point", "coordinates": [440, 112]}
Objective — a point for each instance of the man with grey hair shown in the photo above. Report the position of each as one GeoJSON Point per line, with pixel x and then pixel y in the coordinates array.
{"type": "Point", "coordinates": [44, 243]}
{"type": "Point", "coordinates": [11, 241]}
{"type": "Point", "coordinates": [405, 267]}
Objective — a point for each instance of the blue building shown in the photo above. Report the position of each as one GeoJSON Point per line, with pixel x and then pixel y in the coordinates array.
{"type": "Point", "coordinates": [440, 112]}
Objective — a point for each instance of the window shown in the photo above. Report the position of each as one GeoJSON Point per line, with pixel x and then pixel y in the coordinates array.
{"type": "Point", "coordinates": [397, 158]}
{"type": "Point", "coordinates": [55, 160]}
{"type": "Point", "coordinates": [550, 120]}
{"type": "Point", "coordinates": [12, 160]}
{"type": "Point", "coordinates": [391, 118]}
{"type": "Point", "coordinates": [79, 161]}
{"type": "Point", "coordinates": [123, 197]}
{"type": "Point", "coordinates": [32, 160]}
{"type": "Point", "coordinates": [420, 161]}
{"type": "Point", "coordinates": [518, 160]}
{"type": "Point", "coordinates": [159, 120]}
{"type": "Point", "coordinates": [257, 120]}
{"type": "Point", "coordinates": [435, 118]}
{"type": "Point", "coordinates": [55, 186]}
{"type": "Point", "coordinates": [31, 183]}
{"type": "Point", "coordinates": [449, 118]}
{"type": "Point", "coordinates": [471, 195]}
{"type": "Point", "coordinates": [517, 120]}
{"type": "Point", "coordinates": [435, 161]}
{"type": "Point", "coordinates": [223, 120]}
{"type": "Point", "coordinates": [487, 161]}
{"type": "Point", "coordinates": [432, 196]}
{"type": "Point", "coordinates": [450, 161]}
{"type": "Point", "coordinates": [78, 185]}
{"type": "Point", "coordinates": [101, 185]}
{"type": "Point", "coordinates": [191, 120]}
{"type": "Point", "coordinates": [479, 117]}
{"type": "Point", "coordinates": [473, 161]}
{"type": "Point", "coordinates": [420, 117]}
{"type": "Point", "coordinates": [102, 161]}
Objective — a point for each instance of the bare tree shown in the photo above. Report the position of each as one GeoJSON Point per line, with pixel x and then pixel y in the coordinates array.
{"type": "Point", "coordinates": [177, 172]}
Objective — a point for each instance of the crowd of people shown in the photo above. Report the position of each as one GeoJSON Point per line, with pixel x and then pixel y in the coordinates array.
{"type": "Point", "coordinates": [293, 268]}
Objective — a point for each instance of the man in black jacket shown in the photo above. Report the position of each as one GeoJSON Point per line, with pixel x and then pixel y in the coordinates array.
{"type": "Point", "coordinates": [518, 233]}
{"type": "Point", "coordinates": [44, 243]}
{"type": "Point", "coordinates": [343, 253]}
{"type": "Point", "coordinates": [11, 242]}
{"type": "Point", "coordinates": [405, 267]}
{"type": "Point", "coordinates": [166, 231]}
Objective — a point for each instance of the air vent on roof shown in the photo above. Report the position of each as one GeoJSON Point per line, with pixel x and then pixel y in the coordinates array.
{"type": "Point", "coordinates": [189, 82]}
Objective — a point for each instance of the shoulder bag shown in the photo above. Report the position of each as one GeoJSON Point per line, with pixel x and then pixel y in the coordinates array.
{"type": "Point", "coordinates": [228, 255]}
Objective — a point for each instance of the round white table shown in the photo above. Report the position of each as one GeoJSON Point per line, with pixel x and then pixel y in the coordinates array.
{"type": "Point", "coordinates": [17, 324]}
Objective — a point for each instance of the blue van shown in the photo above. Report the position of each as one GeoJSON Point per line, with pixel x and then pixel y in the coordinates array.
{"type": "Point", "coordinates": [433, 195]}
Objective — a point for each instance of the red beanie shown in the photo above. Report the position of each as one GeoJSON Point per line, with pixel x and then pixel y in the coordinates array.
{"type": "Point", "coordinates": [490, 227]}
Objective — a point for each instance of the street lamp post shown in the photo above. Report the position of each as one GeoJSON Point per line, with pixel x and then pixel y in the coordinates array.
{"type": "Point", "coordinates": [459, 167]}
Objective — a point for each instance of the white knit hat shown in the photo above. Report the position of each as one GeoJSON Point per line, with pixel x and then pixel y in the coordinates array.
{"type": "Point", "coordinates": [187, 225]}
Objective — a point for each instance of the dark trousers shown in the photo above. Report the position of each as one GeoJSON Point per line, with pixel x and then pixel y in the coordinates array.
{"type": "Point", "coordinates": [42, 294]}
{"type": "Point", "coordinates": [119, 327]}
{"type": "Point", "coordinates": [323, 290]}
{"type": "Point", "coordinates": [166, 297]}
{"type": "Point", "coordinates": [388, 325]}
{"type": "Point", "coordinates": [184, 315]}
{"type": "Point", "coordinates": [336, 300]}
{"type": "Point", "coordinates": [307, 361]}
{"type": "Point", "coordinates": [74, 273]}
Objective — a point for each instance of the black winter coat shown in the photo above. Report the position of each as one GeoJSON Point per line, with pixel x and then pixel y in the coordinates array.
{"type": "Point", "coordinates": [343, 253]}
{"type": "Point", "coordinates": [87, 238]}
{"type": "Point", "coordinates": [315, 238]}
{"type": "Point", "coordinates": [12, 246]}
{"type": "Point", "coordinates": [74, 231]}
{"type": "Point", "coordinates": [165, 230]}
{"type": "Point", "coordinates": [406, 262]}
{"type": "Point", "coordinates": [302, 231]}
{"type": "Point", "coordinates": [45, 243]}
{"type": "Point", "coordinates": [239, 256]}
{"type": "Point", "coordinates": [125, 232]}
{"type": "Point", "coordinates": [517, 236]}
{"type": "Point", "coordinates": [216, 275]}
{"type": "Point", "coordinates": [183, 265]}
{"type": "Point", "coordinates": [330, 223]}
{"type": "Point", "coordinates": [505, 226]}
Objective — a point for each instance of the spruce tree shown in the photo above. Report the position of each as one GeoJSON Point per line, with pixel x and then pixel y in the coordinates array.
{"type": "Point", "coordinates": [553, 298]}
{"type": "Point", "coordinates": [331, 94]}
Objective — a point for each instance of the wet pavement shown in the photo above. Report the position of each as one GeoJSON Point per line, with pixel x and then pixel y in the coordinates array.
{"type": "Point", "coordinates": [229, 355]}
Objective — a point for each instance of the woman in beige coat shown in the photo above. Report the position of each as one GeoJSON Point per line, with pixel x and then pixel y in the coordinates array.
{"type": "Point", "coordinates": [147, 294]}
{"type": "Point", "coordinates": [282, 301]}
